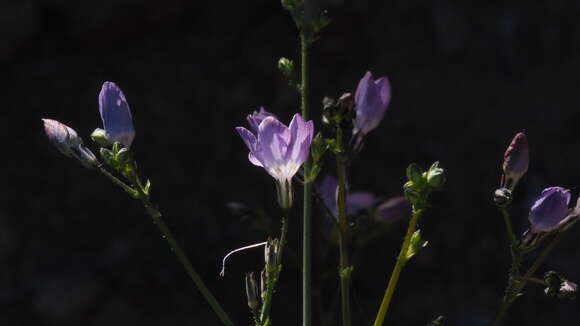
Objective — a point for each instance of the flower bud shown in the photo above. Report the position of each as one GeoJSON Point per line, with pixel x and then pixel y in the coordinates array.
{"type": "Point", "coordinates": [502, 197]}
{"type": "Point", "coordinates": [66, 140]}
{"type": "Point", "coordinates": [252, 291]}
{"type": "Point", "coordinates": [435, 176]}
{"type": "Point", "coordinates": [516, 161]}
{"type": "Point", "coordinates": [286, 67]}
{"type": "Point", "coordinates": [116, 115]}
{"type": "Point", "coordinates": [550, 209]}
{"type": "Point", "coordinates": [99, 136]}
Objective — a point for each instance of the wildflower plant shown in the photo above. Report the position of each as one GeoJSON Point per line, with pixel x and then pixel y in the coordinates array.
{"type": "Point", "coordinates": [294, 154]}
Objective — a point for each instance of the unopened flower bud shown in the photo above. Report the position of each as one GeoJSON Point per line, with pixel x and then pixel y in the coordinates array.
{"type": "Point", "coordinates": [66, 140]}
{"type": "Point", "coordinates": [502, 197]}
{"type": "Point", "coordinates": [415, 174]}
{"type": "Point", "coordinates": [558, 286]}
{"type": "Point", "coordinates": [515, 160]}
{"type": "Point", "coordinates": [252, 291]}
{"type": "Point", "coordinates": [286, 67]}
{"type": "Point", "coordinates": [550, 209]}
{"type": "Point", "coordinates": [99, 136]}
{"type": "Point", "coordinates": [435, 176]}
{"type": "Point", "coordinates": [568, 290]}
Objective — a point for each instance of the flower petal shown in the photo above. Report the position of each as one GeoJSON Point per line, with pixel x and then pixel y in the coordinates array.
{"type": "Point", "coordinates": [116, 115]}
{"type": "Point", "coordinates": [301, 132]}
{"type": "Point", "coordinates": [372, 98]}
{"type": "Point", "coordinates": [273, 139]}
{"type": "Point", "coordinates": [358, 201]}
{"type": "Point", "coordinates": [549, 209]}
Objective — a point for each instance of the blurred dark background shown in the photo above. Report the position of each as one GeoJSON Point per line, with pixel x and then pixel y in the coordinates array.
{"type": "Point", "coordinates": [465, 75]}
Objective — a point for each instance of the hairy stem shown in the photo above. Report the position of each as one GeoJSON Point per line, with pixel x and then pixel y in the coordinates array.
{"type": "Point", "coordinates": [401, 261]}
{"type": "Point", "coordinates": [307, 213]}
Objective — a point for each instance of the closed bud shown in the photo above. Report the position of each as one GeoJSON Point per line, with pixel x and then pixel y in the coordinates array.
{"type": "Point", "coordinates": [516, 160]}
{"type": "Point", "coordinates": [99, 136]}
{"type": "Point", "coordinates": [502, 197]}
{"type": "Point", "coordinates": [122, 156]}
{"type": "Point", "coordinates": [286, 67]}
{"type": "Point", "coordinates": [66, 140]}
{"type": "Point", "coordinates": [415, 174]}
{"type": "Point", "coordinates": [436, 176]}
{"type": "Point", "coordinates": [252, 291]}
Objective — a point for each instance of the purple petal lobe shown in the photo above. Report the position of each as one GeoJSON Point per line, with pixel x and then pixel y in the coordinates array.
{"type": "Point", "coordinates": [273, 137]}
{"type": "Point", "coordinates": [257, 117]}
{"type": "Point", "coordinates": [301, 133]}
{"type": "Point", "coordinates": [549, 209]}
{"type": "Point", "coordinates": [392, 209]}
{"type": "Point", "coordinates": [116, 115]}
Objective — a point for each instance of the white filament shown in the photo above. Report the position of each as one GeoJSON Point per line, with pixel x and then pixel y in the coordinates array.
{"type": "Point", "coordinates": [223, 270]}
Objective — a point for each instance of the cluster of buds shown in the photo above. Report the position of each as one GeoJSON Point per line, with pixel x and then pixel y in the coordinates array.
{"type": "Point", "coordinates": [421, 183]}
{"type": "Point", "coordinates": [117, 129]}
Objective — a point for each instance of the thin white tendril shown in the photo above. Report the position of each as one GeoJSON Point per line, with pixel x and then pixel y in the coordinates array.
{"type": "Point", "coordinates": [223, 270]}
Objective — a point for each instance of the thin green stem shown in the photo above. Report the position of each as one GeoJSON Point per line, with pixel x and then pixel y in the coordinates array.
{"type": "Point", "coordinates": [513, 286]}
{"type": "Point", "coordinates": [307, 213]}
{"type": "Point", "coordinates": [344, 269]}
{"type": "Point", "coordinates": [273, 273]}
{"type": "Point", "coordinates": [173, 245]}
{"type": "Point", "coordinates": [532, 270]}
{"type": "Point", "coordinates": [401, 261]}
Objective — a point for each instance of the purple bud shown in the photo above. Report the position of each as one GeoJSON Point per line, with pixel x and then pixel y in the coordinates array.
{"type": "Point", "coordinates": [550, 209]}
{"type": "Point", "coordinates": [372, 98]}
{"type": "Point", "coordinates": [516, 160]}
{"type": "Point", "coordinates": [256, 118]}
{"type": "Point", "coordinates": [66, 140]}
{"type": "Point", "coordinates": [116, 115]}
{"type": "Point", "coordinates": [279, 149]}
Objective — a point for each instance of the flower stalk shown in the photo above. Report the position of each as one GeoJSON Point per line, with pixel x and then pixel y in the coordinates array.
{"type": "Point", "coordinates": [307, 200]}
{"type": "Point", "coordinates": [401, 261]}
{"type": "Point", "coordinates": [139, 192]}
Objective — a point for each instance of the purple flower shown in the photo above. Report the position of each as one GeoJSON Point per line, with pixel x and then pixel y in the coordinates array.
{"type": "Point", "coordinates": [256, 118]}
{"type": "Point", "coordinates": [280, 150]}
{"type": "Point", "coordinates": [116, 115]}
{"type": "Point", "coordinates": [372, 98]}
{"type": "Point", "coordinates": [355, 202]}
{"type": "Point", "coordinates": [516, 160]}
{"type": "Point", "coordinates": [66, 140]}
{"type": "Point", "coordinates": [550, 209]}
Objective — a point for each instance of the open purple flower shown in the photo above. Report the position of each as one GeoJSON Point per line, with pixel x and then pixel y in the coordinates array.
{"type": "Point", "coordinates": [550, 210]}
{"type": "Point", "coordinates": [280, 150]}
{"type": "Point", "coordinates": [516, 160]}
{"type": "Point", "coordinates": [355, 201]}
{"type": "Point", "coordinates": [116, 115]}
{"type": "Point", "coordinates": [372, 98]}
{"type": "Point", "coordinates": [66, 140]}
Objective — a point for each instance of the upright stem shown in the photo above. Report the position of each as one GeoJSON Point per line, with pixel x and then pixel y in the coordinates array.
{"type": "Point", "coordinates": [401, 261]}
{"type": "Point", "coordinates": [307, 214]}
{"type": "Point", "coordinates": [273, 276]}
{"type": "Point", "coordinates": [344, 269]}
{"type": "Point", "coordinates": [513, 287]}
{"type": "Point", "coordinates": [174, 246]}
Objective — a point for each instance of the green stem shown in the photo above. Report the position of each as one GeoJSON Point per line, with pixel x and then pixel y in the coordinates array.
{"type": "Point", "coordinates": [513, 287]}
{"type": "Point", "coordinates": [307, 213]}
{"type": "Point", "coordinates": [344, 269]}
{"type": "Point", "coordinates": [174, 246]}
{"type": "Point", "coordinates": [401, 261]}
{"type": "Point", "coordinates": [272, 276]}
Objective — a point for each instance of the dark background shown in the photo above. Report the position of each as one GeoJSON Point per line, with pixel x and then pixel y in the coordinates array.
{"type": "Point", "coordinates": [466, 76]}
